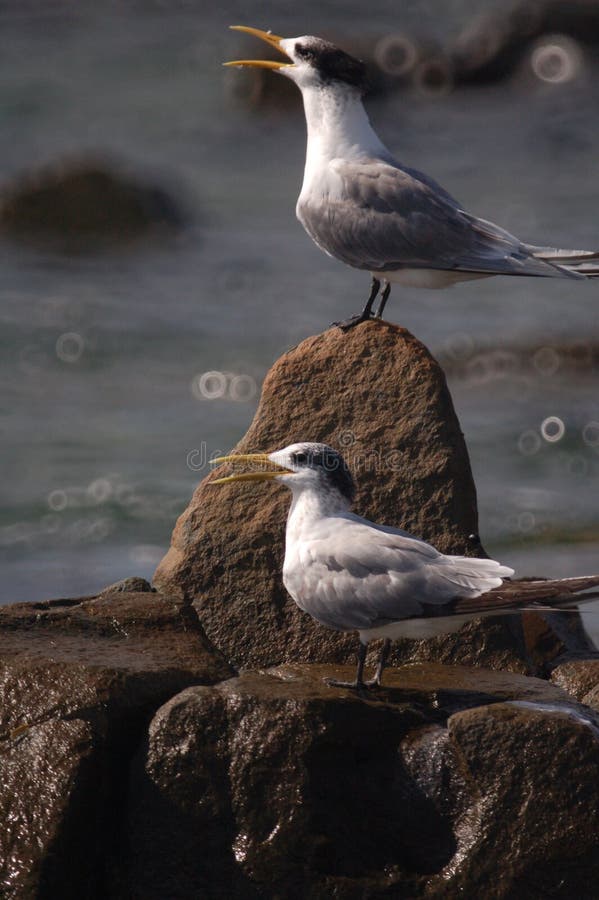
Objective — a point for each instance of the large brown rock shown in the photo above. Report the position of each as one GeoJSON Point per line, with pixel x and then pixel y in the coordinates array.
{"type": "Point", "coordinates": [274, 785]}
{"type": "Point", "coordinates": [376, 394]}
{"type": "Point", "coordinates": [532, 829]}
{"type": "Point", "coordinates": [79, 681]}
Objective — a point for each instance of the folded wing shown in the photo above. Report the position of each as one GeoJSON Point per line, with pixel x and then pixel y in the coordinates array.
{"type": "Point", "coordinates": [378, 216]}
{"type": "Point", "coordinates": [360, 576]}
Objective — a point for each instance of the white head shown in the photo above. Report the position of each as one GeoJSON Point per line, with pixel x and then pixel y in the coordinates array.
{"type": "Point", "coordinates": [300, 467]}
{"type": "Point", "coordinates": [311, 62]}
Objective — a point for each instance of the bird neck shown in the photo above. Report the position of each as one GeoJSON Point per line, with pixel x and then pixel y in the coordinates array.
{"type": "Point", "coordinates": [308, 505]}
{"type": "Point", "coordinates": [338, 125]}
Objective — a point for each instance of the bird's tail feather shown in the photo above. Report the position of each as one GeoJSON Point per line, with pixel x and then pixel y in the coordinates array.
{"type": "Point", "coordinates": [574, 262]}
{"type": "Point", "coordinates": [534, 594]}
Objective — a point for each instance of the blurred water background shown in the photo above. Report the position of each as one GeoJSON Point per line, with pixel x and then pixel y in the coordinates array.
{"type": "Point", "coordinates": [124, 368]}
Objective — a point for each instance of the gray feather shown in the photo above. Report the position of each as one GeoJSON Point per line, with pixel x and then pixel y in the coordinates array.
{"type": "Point", "coordinates": [381, 217]}
{"type": "Point", "coordinates": [358, 575]}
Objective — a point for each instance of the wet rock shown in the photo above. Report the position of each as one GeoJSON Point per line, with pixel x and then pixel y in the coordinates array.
{"type": "Point", "coordinates": [79, 681]}
{"type": "Point", "coordinates": [49, 803]}
{"type": "Point", "coordinates": [376, 394]}
{"type": "Point", "coordinates": [579, 677]}
{"type": "Point", "coordinates": [276, 785]}
{"type": "Point", "coordinates": [531, 827]}
{"type": "Point", "coordinates": [85, 204]}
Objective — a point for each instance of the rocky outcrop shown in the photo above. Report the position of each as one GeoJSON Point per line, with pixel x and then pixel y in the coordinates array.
{"type": "Point", "coordinates": [376, 394]}
{"type": "Point", "coordinates": [84, 204]}
{"type": "Point", "coordinates": [136, 765]}
{"type": "Point", "coordinates": [79, 681]}
{"type": "Point", "coordinates": [274, 785]}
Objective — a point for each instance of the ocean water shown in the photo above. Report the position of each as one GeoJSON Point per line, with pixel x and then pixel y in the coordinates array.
{"type": "Point", "coordinates": [123, 371]}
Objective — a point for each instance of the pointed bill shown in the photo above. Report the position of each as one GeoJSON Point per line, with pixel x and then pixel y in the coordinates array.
{"type": "Point", "coordinates": [273, 39]}
{"type": "Point", "coordinates": [268, 470]}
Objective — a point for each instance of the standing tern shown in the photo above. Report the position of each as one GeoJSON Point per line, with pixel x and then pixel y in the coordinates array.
{"type": "Point", "coordinates": [351, 574]}
{"type": "Point", "coordinates": [362, 207]}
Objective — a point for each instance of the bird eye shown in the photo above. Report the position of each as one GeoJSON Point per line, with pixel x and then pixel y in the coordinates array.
{"type": "Point", "coordinates": [303, 51]}
{"type": "Point", "coordinates": [300, 457]}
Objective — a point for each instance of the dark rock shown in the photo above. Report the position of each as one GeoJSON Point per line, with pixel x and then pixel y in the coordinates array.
{"type": "Point", "coordinates": [50, 807]}
{"type": "Point", "coordinates": [533, 778]}
{"type": "Point", "coordinates": [84, 203]}
{"type": "Point", "coordinates": [131, 585]}
{"type": "Point", "coordinates": [78, 683]}
{"type": "Point", "coordinates": [376, 394]}
{"type": "Point", "coordinates": [592, 698]}
{"type": "Point", "coordinates": [579, 677]}
{"type": "Point", "coordinates": [275, 785]}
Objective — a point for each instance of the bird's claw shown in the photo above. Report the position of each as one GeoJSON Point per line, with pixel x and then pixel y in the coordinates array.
{"type": "Point", "coordinates": [346, 324]}
{"type": "Point", "coordinates": [358, 686]}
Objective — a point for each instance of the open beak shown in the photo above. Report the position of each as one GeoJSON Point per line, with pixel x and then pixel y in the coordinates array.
{"type": "Point", "coordinates": [264, 474]}
{"type": "Point", "coordinates": [273, 39]}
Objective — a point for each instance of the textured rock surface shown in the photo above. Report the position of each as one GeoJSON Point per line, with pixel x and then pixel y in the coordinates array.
{"type": "Point", "coordinates": [274, 785]}
{"type": "Point", "coordinates": [79, 681]}
{"type": "Point", "coordinates": [579, 677]}
{"type": "Point", "coordinates": [533, 831]}
{"type": "Point", "coordinates": [530, 643]}
{"type": "Point", "coordinates": [377, 395]}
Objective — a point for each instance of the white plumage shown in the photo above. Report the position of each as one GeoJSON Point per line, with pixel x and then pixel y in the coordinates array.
{"type": "Point", "coordinates": [353, 575]}
{"type": "Point", "coordinates": [363, 207]}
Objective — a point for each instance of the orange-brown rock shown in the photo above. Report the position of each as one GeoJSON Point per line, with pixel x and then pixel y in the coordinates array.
{"type": "Point", "coordinates": [376, 394]}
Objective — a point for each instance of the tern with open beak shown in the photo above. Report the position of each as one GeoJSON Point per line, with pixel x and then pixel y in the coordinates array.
{"type": "Point", "coordinates": [362, 207]}
{"type": "Point", "coordinates": [353, 575]}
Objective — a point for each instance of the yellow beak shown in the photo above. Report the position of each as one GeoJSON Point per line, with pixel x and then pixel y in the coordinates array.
{"type": "Point", "coordinates": [261, 458]}
{"type": "Point", "coordinates": [273, 39]}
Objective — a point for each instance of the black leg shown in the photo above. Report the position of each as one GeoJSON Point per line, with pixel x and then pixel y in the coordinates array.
{"type": "Point", "coordinates": [378, 675]}
{"type": "Point", "coordinates": [366, 312]}
{"type": "Point", "coordinates": [383, 301]}
{"type": "Point", "coordinates": [358, 683]}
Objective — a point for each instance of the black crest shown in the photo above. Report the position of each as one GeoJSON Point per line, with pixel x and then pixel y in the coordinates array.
{"type": "Point", "coordinates": [335, 471]}
{"type": "Point", "coordinates": [332, 63]}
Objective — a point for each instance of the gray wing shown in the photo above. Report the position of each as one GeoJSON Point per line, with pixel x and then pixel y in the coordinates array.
{"type": "Point", "coordinates": [378, 216]}
{"type": "Point", "coordinates": [359, 575]}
